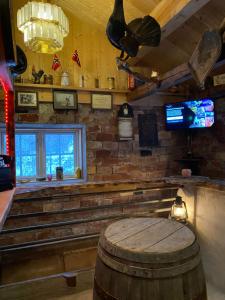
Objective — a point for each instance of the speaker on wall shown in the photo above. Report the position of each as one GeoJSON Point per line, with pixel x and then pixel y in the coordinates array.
{"type": "Point", "coordinates": [148, 133]}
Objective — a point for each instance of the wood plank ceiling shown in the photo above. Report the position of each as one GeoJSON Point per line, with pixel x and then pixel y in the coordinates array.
{"type": "Point", "coordinates": [98, 12]}
{"type": "Point", "coordinates": [177, 46]}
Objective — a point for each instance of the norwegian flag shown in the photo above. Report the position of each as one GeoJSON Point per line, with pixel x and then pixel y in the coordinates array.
{"type": "Point", "coordinates": [75, 58]}
{"type": "Point", "coordinates": [56, 63]}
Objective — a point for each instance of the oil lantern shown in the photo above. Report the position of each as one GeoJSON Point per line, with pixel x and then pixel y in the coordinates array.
{"type": "Point", "coordinates": [125, 122]}
{"type": "Point", "coordinates": [179, 210]}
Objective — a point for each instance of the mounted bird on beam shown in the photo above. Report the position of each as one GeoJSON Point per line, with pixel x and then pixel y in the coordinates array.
{"type": "Point", "coordinates": [128, 37]}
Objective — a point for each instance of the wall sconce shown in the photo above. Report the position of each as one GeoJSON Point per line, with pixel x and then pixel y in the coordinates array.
{"type": "Point", "coordinates": [125, 122]}
{"type": "Point", "coordinates": [179, 210]}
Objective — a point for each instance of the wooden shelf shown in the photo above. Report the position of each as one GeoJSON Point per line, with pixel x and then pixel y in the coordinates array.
{"type": "Point", "coordinates": [51, 87]}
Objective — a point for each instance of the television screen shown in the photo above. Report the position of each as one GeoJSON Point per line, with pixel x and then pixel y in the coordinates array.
{"type": "Point", "coordinates": [190, 114]}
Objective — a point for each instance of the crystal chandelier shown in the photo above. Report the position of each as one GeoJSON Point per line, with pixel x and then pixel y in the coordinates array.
{"type": "Point", "coordinates": [44, 26]}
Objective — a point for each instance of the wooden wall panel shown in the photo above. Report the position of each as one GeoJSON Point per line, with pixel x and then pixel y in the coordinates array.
{"type": "Point", "coordinates": [96, 54]}
{"type": "Point", "coordinates": [98, 12]}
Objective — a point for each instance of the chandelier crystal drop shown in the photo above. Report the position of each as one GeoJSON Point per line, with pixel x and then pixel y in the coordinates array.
{"type": "Point", "coordinates": [44, 26]}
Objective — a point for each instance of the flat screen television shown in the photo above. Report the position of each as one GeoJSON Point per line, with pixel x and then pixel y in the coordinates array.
{"type": "Point", "coordinates": [190, 114]}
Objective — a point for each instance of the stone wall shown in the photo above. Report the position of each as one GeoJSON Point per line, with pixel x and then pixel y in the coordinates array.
{"type": "Point", "coordinates": [108, 158]}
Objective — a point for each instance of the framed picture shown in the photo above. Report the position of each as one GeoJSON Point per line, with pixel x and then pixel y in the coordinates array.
{"type": "Point", "coordinates": [101, 101]}
{"type": "Point", "coordinates": [64, 99]}
{"type": "Point", "coordinates": [26, 100]}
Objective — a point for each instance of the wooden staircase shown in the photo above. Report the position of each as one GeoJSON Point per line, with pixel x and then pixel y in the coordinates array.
{"type": "Point", "coordinates": [50, 235]}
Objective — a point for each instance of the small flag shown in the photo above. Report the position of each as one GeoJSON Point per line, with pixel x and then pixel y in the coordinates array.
{"type": "Point", "coordinates": [56, 63]}
{"type": "Point", "coordinates": [75, 58]}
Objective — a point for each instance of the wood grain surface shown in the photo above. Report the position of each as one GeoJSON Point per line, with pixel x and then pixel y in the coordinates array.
{"type": "Point", "coordinates": [150, 236]}
{"type": "Point", "coordinates": [148, 258]}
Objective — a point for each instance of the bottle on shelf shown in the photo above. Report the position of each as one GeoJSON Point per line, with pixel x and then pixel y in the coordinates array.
{"type": "Point", "coordinates": [78, 173]}
{"type": "Point", "coordinates": [96, 83]}
{"type": "Point", "coordinates": [81, 81]}
{"type": "Point", "coordinates": [111, 83]}
{"type": "Point", "coordinates": [65, 80]}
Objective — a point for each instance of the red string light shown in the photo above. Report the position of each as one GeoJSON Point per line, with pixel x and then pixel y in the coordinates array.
{"type": "Point", "coordinates": [6, 103]}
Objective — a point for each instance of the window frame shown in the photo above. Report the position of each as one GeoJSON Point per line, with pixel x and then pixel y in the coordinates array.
{"type": "Point", "coordinates": [79, 131]}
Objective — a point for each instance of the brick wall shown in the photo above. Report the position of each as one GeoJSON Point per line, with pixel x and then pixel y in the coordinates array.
{"type": "Point", "coordinates": [210, 144]}
{"type": "Point", "coordinates": [108, 158]}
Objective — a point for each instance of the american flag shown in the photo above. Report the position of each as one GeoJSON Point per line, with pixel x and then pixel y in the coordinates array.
{"type": "Point", "coordinates": [56, 63]}
{"type": "Point", "coordinates": [75, 58]}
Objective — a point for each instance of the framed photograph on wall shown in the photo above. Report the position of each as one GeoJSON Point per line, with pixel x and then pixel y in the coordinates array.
{"type": "Point", "coordinates": [101, 101]}
{"type": "Point", "coordinates": [63, 99]}
{"type": "Point", "coordinates": [26, 100]}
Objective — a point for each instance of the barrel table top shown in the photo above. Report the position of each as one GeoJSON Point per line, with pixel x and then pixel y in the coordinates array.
{"type": "Point", "coordinates": [147, 239]}
{"type": "Point", "coordinates": [148, 258]}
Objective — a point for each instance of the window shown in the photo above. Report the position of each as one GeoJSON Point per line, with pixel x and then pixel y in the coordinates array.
{"type": "Point", "coordinates": [26, 155]}
{"type": "Point", "coordinates": [41, 148]}
{"type": "Point", "coordinates": [59, 151]}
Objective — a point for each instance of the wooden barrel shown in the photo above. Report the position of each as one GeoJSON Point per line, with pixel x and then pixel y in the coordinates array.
{"type": "Point", "coordinates": [148, 259]}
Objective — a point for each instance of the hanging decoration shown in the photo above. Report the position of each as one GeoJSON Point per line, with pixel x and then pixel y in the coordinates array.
{"type": "Point", "coordinates": [144, 31]}
{"type": "Point", "coordinates": [56, 63]}
{"type": "Point", "coordinates": [206, 54]}
{"type": "Point", "coordinates": [75, 58]}
{"type": "Point", "coordinates": [44, 26]}
{"type": "Point", "coordinates": [21, 63]}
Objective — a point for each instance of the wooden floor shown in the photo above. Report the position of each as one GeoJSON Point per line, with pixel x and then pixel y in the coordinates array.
{"type": "Point", "coordinates": [86, 295]}
{"type": "Point", "coordinates": [214, 294]}
{"type": "Point", "coordinates": [53, 288]}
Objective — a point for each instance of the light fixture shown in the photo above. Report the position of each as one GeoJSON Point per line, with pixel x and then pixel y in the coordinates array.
{"type": "Point", "coordinates": [154, 74]}
{"type": "Point", "coordinates": [44, 26]}
{"type": "Point", "coordinates": [179, 210]}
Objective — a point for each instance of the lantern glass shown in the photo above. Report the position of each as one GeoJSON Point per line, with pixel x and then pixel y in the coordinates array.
{"type": "Point", "coordinates": [179, 210]}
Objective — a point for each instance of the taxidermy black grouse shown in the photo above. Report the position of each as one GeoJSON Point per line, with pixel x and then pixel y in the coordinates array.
{"type": "Point", "coordinates": [128, 37]}
{"type": "Point", "coordinates": [21, 66]}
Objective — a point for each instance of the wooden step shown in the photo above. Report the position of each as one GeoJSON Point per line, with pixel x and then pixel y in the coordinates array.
{"type": "Point", "coordinates": [36, 260]}
{"type": "Point", "coordinates": [31, 219]}
{"type": "Point", "coordinates": [70, 228]}
{"type": "Point", "coordinates": [54, 230]}
{"type": "Point", "coordinates": [48, 287]}
{"type": "Point", "coordinates": [71, 201]}
{"type": "Point", "coordinates": [49, 243]}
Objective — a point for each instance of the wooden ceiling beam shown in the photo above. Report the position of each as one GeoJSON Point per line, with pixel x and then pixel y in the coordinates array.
{"type": "Point", "coordinates": [176, 76]}
{"type": "Point", "coordinates": [171, 15]}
